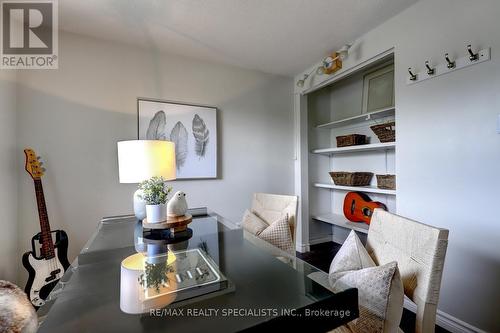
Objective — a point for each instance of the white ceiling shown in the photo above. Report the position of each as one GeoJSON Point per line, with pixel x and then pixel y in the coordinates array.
{"type": "Point", "coordinates": [273, 36]}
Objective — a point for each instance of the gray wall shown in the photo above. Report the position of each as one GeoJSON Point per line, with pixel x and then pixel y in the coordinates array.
{"type": "Point", "coordinates": [9, 258]}
{"type": "Point", "coordinates": [448, 150]}
{"type": "Point", "coordinates": [74, 116]}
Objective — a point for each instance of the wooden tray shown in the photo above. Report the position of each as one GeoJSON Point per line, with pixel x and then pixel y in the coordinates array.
{"type": "Point", "coordinates": [175, 224]}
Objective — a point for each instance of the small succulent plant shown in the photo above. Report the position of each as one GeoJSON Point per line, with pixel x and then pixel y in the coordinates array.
{"type": "Point", "coordinates": [154, 191]}
{"type": "Point", "coordinates": [155, 275]}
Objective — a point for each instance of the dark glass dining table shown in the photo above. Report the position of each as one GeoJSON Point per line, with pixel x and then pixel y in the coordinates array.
{"type": "Point", "coordinates": [230, 282]}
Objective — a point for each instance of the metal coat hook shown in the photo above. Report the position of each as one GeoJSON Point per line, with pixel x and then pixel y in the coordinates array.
{"type": "Point", "coordinates": [430, 71]}
{"type": "Point", "coordinates": [451, 64]}
{"type": "Point", "coordinates": [473, 56]}
{"type": "Point", "coordinates": [413, 77]}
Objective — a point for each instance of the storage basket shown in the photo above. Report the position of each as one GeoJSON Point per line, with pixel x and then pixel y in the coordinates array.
{"type": "Point", "coordinates": [386, 182]}
{"type": "Point", "coordinates": [351, 140]}
{"type": "Point", "coordinates": [385, 132]}
{"type": "Point", "coordinates": [351, 178]}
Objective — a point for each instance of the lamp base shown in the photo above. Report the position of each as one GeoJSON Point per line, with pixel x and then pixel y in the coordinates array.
{"type": "Point", "coordinates": [139, 206]}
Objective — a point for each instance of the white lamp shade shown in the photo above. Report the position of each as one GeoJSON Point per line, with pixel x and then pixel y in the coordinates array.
{"type": "Point", "coordinates": [135, 298]}
{"type": "Point", "coordinates": [139, 160]}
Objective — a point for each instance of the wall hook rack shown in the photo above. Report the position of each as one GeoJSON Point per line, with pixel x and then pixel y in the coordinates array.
{"type": "Point", "coordinates": [413, 77]}
{"type": "Point", "coordinates": [450, 66]}
{"type": "Point", "coordinates": [430, 71]}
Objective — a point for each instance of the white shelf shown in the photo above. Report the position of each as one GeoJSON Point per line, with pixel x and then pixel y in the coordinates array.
{"type": "Point", "coordinates": [341, 221]}
{"type": "Point", "coordinates": [368, 189]}
{"type": "Point", "coordinates": [355, 149]}
{"type": "Point", "coordinates": [382, 113]}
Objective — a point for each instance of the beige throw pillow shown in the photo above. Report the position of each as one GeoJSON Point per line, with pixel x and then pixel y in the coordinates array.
{"type": "Point", "coordinates": [253, 224]}
{"type": "Point", "coordinates": [279, 235]}
{"type": "Point", "coordinates": [380, 288]}
{"type": "Point", "coordinates": [351, 256]}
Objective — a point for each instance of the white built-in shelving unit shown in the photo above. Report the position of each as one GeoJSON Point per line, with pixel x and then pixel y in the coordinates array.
{"type": "Point", "coordinates": [367, 189]}
{"type": "Point", "coordinates": [335, 110]}
{"type": "Point", "coordinates": [341, 221]}
{"type": "Point", "coordinates": [356, 149]}
{"type": "Point", "coordinates": [378, 114]}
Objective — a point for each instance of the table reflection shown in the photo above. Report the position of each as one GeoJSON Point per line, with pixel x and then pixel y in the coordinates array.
{"type": "Point", "coordinates": [166, 269]}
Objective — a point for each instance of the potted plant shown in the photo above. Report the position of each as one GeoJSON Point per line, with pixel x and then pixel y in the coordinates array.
{"type": "Point", "coordinates": [155, 194]}
{"type": "Point", "coordinates": [156, 275]}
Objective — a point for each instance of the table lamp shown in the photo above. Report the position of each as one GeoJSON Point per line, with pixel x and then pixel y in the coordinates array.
{"type": "Point", "coordinates": [139, 160]}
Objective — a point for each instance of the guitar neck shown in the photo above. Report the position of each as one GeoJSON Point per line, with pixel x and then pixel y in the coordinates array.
{"type": "Point", "coordinates": [47, 244]}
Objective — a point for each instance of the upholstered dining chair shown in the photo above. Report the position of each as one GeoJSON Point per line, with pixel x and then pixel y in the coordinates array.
{"type": "Point", "coordinates": [419, 250]}
{"type": "Point", "coordinates": [271, 208]}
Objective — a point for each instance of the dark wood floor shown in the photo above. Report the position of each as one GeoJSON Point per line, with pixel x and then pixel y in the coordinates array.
{"type": "Point", "coordinates": [321, 256]}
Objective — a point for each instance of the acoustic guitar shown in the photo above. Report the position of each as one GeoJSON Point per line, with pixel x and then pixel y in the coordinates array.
{"type": "Point", "coordinates": [45, 264]}
{"type": "Point", "coordinates": [358, 207]}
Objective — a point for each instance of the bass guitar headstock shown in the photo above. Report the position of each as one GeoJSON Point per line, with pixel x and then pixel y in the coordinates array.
{"type": "Point", "coordinates": [33, 165]}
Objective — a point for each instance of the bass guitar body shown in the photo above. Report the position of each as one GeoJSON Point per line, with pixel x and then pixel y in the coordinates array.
{"type": "Point", "coordinates": [358, 207]}
{"type": "Point", "coordinates": [45, 272]}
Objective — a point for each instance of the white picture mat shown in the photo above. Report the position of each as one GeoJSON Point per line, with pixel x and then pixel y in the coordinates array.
{"type": "Point", "coordinates": [194, 166]}
{"type": "Point", "coordinates": [378, 89]}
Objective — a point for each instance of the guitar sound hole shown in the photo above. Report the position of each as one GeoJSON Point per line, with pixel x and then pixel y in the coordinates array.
{"type": "Point", "coordinates": [367, 211]}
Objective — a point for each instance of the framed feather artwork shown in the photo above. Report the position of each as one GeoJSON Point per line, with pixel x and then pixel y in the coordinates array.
{"type": "Point", "coordinates": [193, 129]}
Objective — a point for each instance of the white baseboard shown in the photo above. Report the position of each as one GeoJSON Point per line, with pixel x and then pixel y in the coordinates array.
{"type": "Point", "coordinates": [302, 248]}
{"type": "Point", "coordinates": [447, 321]}
{"type": "Point", "coordinates": [324, 239]}
{"type": "Point", "coordinates": [338, 240]}
{"type": "Point", "coordinates": [319, 240]}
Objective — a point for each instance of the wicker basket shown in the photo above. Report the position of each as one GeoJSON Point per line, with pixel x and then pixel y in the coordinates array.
{"type": "Point", "coordinates": [351, 178]}
{"type": "Point", "coordinates": [386, 182]}
{"type": "Point", "coordinates": [351, 140]}
{"type": "Point", "coordinates": [385, 132]}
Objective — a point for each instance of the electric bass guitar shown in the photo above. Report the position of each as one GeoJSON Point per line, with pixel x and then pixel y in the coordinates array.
{"type": "Point", "coordinates": [47, 265]}
{"type": "Point", "coordinates": [358, 207]}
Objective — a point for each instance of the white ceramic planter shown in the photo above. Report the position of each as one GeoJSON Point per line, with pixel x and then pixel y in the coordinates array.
{"type": "Point", "coordinates": [156, 213]}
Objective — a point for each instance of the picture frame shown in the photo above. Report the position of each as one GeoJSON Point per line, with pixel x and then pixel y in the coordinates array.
{"type": "Point", "coordinates": [193, 129]}
{"type": "Point", "coordinates": [378, 89]}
